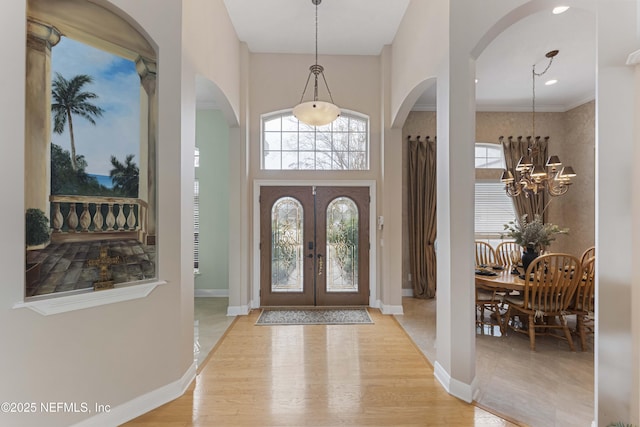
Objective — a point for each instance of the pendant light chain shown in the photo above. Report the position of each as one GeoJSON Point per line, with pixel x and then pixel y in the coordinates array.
{"type": "Point", "coordinates": [315, 86]}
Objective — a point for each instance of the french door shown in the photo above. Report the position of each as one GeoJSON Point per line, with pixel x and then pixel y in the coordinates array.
{"type": "Point", "coordinates": [314, 246]}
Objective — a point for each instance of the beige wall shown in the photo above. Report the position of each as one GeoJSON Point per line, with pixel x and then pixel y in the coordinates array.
{"type": "Point", "coordinates": [572, 138]}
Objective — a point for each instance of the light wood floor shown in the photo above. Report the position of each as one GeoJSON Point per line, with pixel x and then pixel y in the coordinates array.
{"type": "Point", "coordinates": [320, 375]}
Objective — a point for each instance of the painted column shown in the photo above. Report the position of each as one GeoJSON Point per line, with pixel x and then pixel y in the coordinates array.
{"type": "Point", "coordinates": [456, 359]}
{"type": "Point", "coordinates": [616, 246]}
{"type": "Point", "coordinates": [147, 72]}
{"type": "Point", "coordinates": [634, 60]}
{"type": "Point", "coordinates": [40, 39]}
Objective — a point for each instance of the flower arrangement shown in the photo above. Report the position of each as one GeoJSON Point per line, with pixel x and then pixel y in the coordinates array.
{"type": "Point", "coordinates": [533, 234]}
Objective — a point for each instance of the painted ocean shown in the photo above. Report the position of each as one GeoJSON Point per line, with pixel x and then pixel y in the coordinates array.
{"type": "Point", "coordinates": [104, 180]}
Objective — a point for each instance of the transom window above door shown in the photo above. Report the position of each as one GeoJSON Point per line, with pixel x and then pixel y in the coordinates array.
{"type": "Point", "coordinates": [287, 144]}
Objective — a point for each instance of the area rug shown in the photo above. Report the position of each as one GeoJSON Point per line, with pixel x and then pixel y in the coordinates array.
{"type": "Point", "coordinates": [346, 316]}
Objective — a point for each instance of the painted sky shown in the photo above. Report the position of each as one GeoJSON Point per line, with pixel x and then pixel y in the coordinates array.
{"type": "Point", "coordinates": [117, 85]}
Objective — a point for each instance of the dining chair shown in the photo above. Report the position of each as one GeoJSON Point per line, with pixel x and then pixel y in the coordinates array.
{"type": "Point", "coordinates": [582, 304]}
{"type": "Point", "coordinates": [588, 253]}
{"type": "Point", "coordinates": [487, 299]}
{"type": "Point", "coordinates": [503, 253]}
{"type": "Point", "coordinates": [490, 300]}
{"type": "Point", "coordinates": [485, 254]}
{"type": "Point", "coordinates": [550, 283]}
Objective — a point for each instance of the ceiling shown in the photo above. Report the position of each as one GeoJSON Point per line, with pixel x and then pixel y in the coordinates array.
{"type": "Point", "coordinates": [503, 70]}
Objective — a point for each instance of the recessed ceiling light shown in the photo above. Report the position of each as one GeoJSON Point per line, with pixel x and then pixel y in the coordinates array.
{"type": "Point", "coordinates": [476, 80]}
{"type": "Point", "coordinates": [560, 9]}
{"type": "Point", "coordinates": [551, 82]}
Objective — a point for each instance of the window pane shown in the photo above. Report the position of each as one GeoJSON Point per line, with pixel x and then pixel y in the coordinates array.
{"type": "Point", "coordinates": [357, 142]}
{"type": "Point", "coordinates": [286, 246]}
{"type": "Point", "coordinates": [306, 140]}
{"type": "Point", "coordinates": [340, 141]}
{"type": "Point", "coordinates": [323, 141]}
{"type": "Point", "coordinates": [272, 160]}
{"type": "Point", "coordinates": [357, 125]}
{"type": "Point", "coordinates": [290, 141]}
{"type": "Point", "coordinates": [272, 125]}
{"type": "Point", "coordinates": [289, 160]}
{"type": "Point", "coordinates": [289, 123]}
{"type": "Point", "coordinates": [342, 245]}
{"type": "Point", "coordinates": [272, 141]}
{"type": "Point", "coordinates": [323, 161]}
{"type": "Point", "coordinates": [358, 161]}
{"type": "Point", "coordinates": [307, 160]}
{"type": "Point", "coordinates": [341, 124]}
{"type": "Point", "coordinates": [340, 160]}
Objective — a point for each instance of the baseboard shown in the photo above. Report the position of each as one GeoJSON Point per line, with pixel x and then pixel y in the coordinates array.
{"type": "Point", "coordinates": [142, 404]}
{"type": "Point", "coordinates": [390, 309]}
{"type": "Point", "coordinates": [407, 292]}
{"type": "Point", "coordinates": [211, 293]}
{"type": "Point", "coordinates": [237, 310]}
{"type": "Point", "coordinates": [462, 391]}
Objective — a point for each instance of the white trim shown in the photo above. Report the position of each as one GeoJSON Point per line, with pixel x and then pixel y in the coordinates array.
{"type": "Point", "coordinates": [63, 304]}
{"type": "Point", "coordinates": [466, 392]}
{"type": "Point", "coordinates": [237, 310]}
{"type": "Point", "coordinates": [407, 292]}
{"type": "Point", "coordinates": [373, 282]}
{"type": "Point", "coordinates": [211, 293]}
{"type": "Point", "coordinates": [391, 309]}
{"type": "Point", "coordinates": [141, 404]}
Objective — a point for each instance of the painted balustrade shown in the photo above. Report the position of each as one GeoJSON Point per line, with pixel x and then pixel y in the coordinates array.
{"type": "Point", "coordinates": [77, 218]}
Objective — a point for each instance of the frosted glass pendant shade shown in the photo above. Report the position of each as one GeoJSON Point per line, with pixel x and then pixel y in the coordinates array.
{"type": "Point", "coordinates": [316, 113]}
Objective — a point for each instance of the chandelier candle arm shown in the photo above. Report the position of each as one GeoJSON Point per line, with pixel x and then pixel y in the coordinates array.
{"type": "Point", "coordinates": [315, 112]}
{"type": "Point", "coordinates": [530, 176]}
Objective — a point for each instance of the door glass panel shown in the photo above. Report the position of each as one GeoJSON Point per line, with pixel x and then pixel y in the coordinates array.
{"type": "Point", "coordinates": [287, 245]}
{"type": "Point", "coordinates": [342, 245]}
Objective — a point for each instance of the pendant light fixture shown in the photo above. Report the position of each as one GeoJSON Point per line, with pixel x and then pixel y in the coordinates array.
{"type": "Point", "coordinates": [315, 112]}
{"type": "Point", "coordinates": [529, 176]}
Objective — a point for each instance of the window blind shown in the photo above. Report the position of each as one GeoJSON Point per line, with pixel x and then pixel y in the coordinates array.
{"type": "Point", "coordinates": [493, 209]}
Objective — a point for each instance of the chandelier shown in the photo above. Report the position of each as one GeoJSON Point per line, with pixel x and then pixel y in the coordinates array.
{"type": "Point", "coordinates": [315, 112]}
{"type": "Point", "coordinates": [530, 176]}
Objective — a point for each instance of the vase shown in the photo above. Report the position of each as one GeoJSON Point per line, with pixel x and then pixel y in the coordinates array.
{"type": "Point", "coordinates": [527, 257]}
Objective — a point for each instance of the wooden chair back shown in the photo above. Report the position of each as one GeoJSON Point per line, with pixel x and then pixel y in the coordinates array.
{"type": "Point", "coordinates": [485, 254]}
{"type": "Point", "coordinates": [503, 253]}
{"type": "Point", "coordinates": [583, 301]}
{"type": "Point", "coordinates": [588, 253]}
{"type": "Point", "coordinates": [551, 282]}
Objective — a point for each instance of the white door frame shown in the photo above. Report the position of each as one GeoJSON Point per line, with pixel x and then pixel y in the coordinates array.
{"type": "Point", "coordinates": [255, 244]}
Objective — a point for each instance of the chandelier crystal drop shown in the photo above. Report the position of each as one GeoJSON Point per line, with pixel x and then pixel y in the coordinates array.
{"type": "Point", "coordinates": [315, 112]}
{"type": "Point", "coordinates": [530, 176]}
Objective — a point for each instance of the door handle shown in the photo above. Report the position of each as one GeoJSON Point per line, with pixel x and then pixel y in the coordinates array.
{"type": "Point", "coordinates": [320, 264]}
{"type": "Point", "coordinates": [310, 256]}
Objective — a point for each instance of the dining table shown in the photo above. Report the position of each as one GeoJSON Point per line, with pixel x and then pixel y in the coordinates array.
{"type": "Point", "coordinates": [499, 279]}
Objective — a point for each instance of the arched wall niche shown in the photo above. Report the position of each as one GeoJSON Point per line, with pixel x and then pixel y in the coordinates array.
{"type": "Point", "coordinates": [99, 25]}
{"type": "Point", "coordinates": [103, 26]}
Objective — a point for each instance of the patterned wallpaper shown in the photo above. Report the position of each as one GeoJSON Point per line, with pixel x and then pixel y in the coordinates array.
{"type": "Point", "coordinates": [572, 138]}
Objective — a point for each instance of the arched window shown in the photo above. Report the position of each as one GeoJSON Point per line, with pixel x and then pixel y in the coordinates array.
{"type": "Point", "coordinates": [288, 144]}
{"type": "Point", "coordinates": [489, 156]}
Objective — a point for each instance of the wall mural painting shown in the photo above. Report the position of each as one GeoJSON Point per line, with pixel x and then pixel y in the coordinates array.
{"type": "Point", "coordinates": [90, 218]}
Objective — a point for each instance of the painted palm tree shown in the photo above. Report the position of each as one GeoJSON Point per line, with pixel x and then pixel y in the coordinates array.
{"type": "Point", "coordinates": [69, 99]}
{"type": "Point", "coordinates": [125, 176]}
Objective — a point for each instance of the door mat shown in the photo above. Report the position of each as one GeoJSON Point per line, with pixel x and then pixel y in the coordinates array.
{"type": "Point", "coordinates": [347, 316]}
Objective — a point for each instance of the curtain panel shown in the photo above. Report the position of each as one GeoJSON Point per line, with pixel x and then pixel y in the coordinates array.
{"type": "Point", "coordinates": [514, 150]}
{"type": "Point", "coordinates": [422, 216]}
